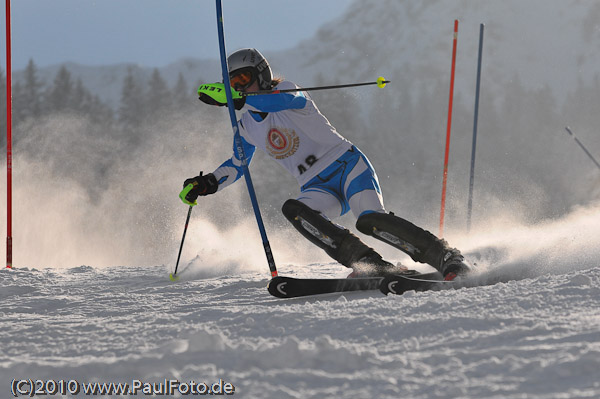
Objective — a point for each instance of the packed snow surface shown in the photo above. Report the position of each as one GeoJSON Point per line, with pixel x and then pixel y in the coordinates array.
{"type": "Point", "coordinates": [535, 337]}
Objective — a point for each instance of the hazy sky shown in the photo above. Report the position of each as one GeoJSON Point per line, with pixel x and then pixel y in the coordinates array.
{"type": "Point", "coordinates": [155, 32]}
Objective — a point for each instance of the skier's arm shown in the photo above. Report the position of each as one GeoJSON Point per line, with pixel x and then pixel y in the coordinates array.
{"type": "Point", "coordinates": [278, 101]}
{"type": "Point", "coordinates": [231, 170]}
{"type": "Point", "coordinates": [224, 175]}
{"type": "Point", "coordinates": [214, 94]}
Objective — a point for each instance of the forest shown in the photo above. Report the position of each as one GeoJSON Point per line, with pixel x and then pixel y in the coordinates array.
{"type": "Point", "coordinates": [524, 157]}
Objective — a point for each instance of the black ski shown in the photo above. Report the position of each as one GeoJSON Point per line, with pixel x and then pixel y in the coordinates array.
{"type": "Point", "coordinates": [289, 287]}
{"type": "Point", "coordinates": [399, 284]}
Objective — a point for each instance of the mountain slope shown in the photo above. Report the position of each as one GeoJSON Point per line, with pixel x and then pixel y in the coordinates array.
{"type": "Point", "coordinates": [551, 43]}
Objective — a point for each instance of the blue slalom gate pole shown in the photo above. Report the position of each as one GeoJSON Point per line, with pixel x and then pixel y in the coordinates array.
{"type": "Point", "coordinates": [238, 142]}
{"type": "Point", "coordinates": [475, 122]}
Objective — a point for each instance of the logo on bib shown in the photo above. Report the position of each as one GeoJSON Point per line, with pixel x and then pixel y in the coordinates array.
{"type": "Point", "coordinates": [282, 143]}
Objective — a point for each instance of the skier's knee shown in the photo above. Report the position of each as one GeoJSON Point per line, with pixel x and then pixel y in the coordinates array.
{"type": "Point", "coordinates": [292, 208]}
{"type": "Point", "coordinates": [421, 245]}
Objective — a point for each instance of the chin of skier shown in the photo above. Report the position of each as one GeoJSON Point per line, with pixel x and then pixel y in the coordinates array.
{"type": "Point", "coordinates": [334, 175]}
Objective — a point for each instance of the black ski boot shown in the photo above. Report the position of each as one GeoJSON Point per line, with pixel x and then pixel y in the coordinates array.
{"type": "Point", "coordinates": [453, 264]}
{"type": "Point", "coordinates": [421, 245]}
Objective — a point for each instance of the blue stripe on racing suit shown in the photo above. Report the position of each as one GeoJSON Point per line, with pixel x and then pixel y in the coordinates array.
{"type": "Point", "coordinates": [277, 102]}
{"type": "Point", "coordinates": [231, 170]}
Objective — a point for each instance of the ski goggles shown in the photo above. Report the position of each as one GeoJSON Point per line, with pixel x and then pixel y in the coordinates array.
{"type": "Point", "coordinates": [241, 80]}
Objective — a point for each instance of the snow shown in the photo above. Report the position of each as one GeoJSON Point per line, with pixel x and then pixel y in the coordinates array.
{"type": "Point", "coordinates": [535, 336]}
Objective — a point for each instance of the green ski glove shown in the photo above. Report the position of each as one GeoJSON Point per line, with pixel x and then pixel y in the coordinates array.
{"type": "Point", "coordinates": [214, 94]}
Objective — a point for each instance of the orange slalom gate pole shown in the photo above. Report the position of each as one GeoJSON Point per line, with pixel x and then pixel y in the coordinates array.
{"type": "Point", "coordinates": [449, 129]}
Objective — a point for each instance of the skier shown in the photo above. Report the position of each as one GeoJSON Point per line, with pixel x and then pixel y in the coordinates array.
{"type": "Point", "coordinates": [333, 174]}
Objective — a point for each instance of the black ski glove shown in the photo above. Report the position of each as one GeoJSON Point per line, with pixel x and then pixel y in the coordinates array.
{"type": "Point", "coordinates": [205, 98]}
{"type": "Point", "coordinates": [198, 186]}
{"type": "Point", "coordinates": [238, 103]}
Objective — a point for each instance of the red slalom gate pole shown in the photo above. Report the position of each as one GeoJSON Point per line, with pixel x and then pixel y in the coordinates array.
{"type": "Point", "coordinates": [449, 129]}
{"type": "Point", "coordinates": [8, 141]}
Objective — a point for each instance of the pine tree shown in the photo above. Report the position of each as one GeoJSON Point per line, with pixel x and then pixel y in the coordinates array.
{"type": "Point", "coordinates": [183, 98]}
{"type": "Point", "coordinates": [32, 92]}
{"type": "Point", "coordinates": [100, 113]}
{"type": "Point", "coordinates": [85, 103]}
{"type": "Point", "coordinates": [59, 96]}
{"type": "Point", "coordinates": [19, 103]}
{"type": "Point", "coordinates": [158, 99]}
{"type": "Point", "coordinates": [131, 109]}
{"type": "Point", "coordinates": [80, 98]}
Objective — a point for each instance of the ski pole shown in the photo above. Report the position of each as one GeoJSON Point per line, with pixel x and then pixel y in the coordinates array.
{"type": "Point", "coordinates": [173, 276]}
{"type": "Point", "coordinates": [218, 93]}
{"type": "Point", "coordinates": [568, 129]}
{"type": "Point", "coordinates": [381, 82]}
{"type": "Point", "coordinates": [239, 145]}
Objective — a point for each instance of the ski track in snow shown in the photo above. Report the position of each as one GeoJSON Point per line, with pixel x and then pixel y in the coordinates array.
{"type": "Point", "coordinates": [537, 337]}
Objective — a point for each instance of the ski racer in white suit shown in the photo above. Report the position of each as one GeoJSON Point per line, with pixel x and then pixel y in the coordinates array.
{"type": "Point", "coordinates": [334, 175]}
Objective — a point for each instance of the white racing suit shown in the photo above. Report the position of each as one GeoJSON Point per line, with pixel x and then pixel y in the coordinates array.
{"type": "Point", "coordinates": [334, 175]}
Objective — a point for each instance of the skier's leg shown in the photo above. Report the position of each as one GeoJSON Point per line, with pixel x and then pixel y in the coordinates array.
{"type": "Point", "coordinates": [338, 242]}
{"type": "Point", "coordinates": [326, 196]}
{"type": "Point", "coordinates": [421, 245]}
{"type": "Point", "coordinates": [321, 202]}
{"type": "Point", "coordinates": [361, 187]}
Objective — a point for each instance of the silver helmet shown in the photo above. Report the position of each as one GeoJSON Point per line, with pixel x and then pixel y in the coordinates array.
{"type": "Point", "coordinates": [251, 62]}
